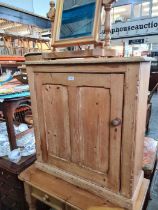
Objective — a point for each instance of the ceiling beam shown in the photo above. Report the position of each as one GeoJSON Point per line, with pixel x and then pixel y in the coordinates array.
{"type": "Point", "coordinates": [20, 16]}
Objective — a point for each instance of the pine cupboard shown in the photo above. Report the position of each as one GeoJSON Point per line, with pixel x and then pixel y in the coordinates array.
{"type": "Point", "coordinates": [89, 117]}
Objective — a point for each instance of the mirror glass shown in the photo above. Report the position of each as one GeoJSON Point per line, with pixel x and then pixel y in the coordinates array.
{"type": "Point", "coordinates": [77, 19]}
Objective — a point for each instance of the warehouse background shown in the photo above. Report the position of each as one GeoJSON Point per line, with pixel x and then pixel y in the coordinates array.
{"type": "Point", "coordinates": [39, 7]}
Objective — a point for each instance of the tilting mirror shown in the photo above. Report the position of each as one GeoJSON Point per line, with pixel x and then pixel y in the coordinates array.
{"type": "Point", "coordinates": [76, 22]}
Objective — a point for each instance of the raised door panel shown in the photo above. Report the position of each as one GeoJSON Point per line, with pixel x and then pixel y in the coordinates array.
{"type": "Point", "coordinates": [56, 118]}
{"type": "Point", "coordinates": [75, 114]}
{"type": "Point", "coordinates": [90, 127]}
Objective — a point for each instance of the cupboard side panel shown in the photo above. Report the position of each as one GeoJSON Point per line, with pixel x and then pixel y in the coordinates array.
{"type": "Point", "coordinates": [129, 128]}
{"type": "Point", "coordinates": [141, 119]}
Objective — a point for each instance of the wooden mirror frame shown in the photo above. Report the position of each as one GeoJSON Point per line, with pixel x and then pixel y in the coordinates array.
{"type": "Point", "coordinates": [94, 38]}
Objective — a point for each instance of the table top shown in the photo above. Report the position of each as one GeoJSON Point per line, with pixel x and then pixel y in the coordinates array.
{"type": "Point", "coordinates": [17, 168]}
{"type": "Point", "coordinates": [62, 190]}
{"type": "Point", "coordinates": [70, 194]}
{"type": "Point", "coordinates": [37, 59]}
{"type": "Point", "coordinates": [14, 90]}
{"type": "Point", "coordinates": [17, 98]}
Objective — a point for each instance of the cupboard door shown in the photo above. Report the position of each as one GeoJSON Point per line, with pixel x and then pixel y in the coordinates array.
{"type": "Point", "coordinates": [80, 119]}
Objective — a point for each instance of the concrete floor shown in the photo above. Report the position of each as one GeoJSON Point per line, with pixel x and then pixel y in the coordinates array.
{"type": "Point", "coordinates": [153, 132]}
{"type": "Point", "coordinates": [153, 205]}
{"type": "Point", "coordinates": [153, 126]}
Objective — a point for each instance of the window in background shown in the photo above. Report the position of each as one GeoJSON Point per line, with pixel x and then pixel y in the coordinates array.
{"type": "Point", "coordinates": [146, 8]}
{"type": "Point", "coordinates": [137, 10]}
{"type": "Point", "coordinates": [155, 8]}
{"type": "Point", "coordinates": [122, 13]}
{"type": "Point", "coordinates": [112, 15]}
{"type": "Point", "coordinates": [143, 9]}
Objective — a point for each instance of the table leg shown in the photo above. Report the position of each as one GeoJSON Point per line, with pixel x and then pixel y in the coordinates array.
{"type": "Point", "coordinates": [8, 107]}
{"type": "Point", "coordinates": [30, 200]}
{"type": "Point", "coordinates": [8, 112]}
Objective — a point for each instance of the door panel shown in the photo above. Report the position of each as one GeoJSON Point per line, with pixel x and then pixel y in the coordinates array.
{"type": "Point", "coordinates": [77, 112]}
{"type": "Point", "coordinates": [56, 113]}
{"type": "Point", "coordinates": [93, 125]}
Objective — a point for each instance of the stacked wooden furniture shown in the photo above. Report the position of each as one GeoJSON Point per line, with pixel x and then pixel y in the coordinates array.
{"type": "Point", "coordinates": [19, 45]}
{"type": "Point", "coordinates": [11, 63]}
{"type": "Point", "coordinates": [59, 194]}
{"type": "Point", "coordinates": [89, 118]}
{"type": "Point", "coordinates": [12, 196]}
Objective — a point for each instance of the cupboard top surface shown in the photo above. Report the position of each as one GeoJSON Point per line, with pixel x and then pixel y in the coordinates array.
{"type": "Point", "coordinates": [34, 61]}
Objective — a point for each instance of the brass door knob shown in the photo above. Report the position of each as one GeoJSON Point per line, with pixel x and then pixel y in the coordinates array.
{"type": "Point", "coordinates": [116, 122]}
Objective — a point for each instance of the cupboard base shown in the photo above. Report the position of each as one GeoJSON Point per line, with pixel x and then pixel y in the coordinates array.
{"type": "Point", "coordinates": [115, 198]}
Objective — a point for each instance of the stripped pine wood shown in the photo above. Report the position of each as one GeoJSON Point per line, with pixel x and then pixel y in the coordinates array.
{"type": "Point", "coordinates": [42, 132]}
{"type": "Point", "coordinates": [94, 152]}
{"type": "Point", "coordinates": [141, 117]}
{"type": "Point", "coordinates": [129, 121]}
{"type": "Point", "coordinates": [104, 208]}
{"type": "Point", "coordinates": [131, 130]}
{"type": "Point", "coordinates": [115, 132]}
{"type": "Point", "coordinates": [34, 59]}
{"type": "Point", "coordinates": [55, 97]}
{"type": "Point", "coordinates": [87, 115]}
{"type": "Point", "coordinates": [57, 192]}
{"type": "Point", "coordinates": [94, 140]}
{"type": "Point", "coordinates": [74, 119]}
{"type": "Point", "coordinates": [61, 190]}
{"type": "Point", "coordinates": [31, 202]}
{"type": "Point", "coordinates": [35, 115]}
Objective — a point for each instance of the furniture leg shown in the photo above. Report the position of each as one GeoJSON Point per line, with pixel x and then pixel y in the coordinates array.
{"type": "Point", "coordinates": [30, 200]}
{"type": "Point", "coordinates": [8, 109]}
{"type": "Point", "coordinates": [8, 115]}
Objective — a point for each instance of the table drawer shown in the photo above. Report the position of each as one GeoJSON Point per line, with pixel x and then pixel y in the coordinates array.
{"type": "Point", "coordinates": [45, 198]}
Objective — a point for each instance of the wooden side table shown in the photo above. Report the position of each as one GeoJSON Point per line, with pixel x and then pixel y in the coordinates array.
{"type": "Point", "coordinates": [11, 188]}
{"type": "Point", "coordinates": [60, 194]}
{"type": "Point", "coordinates": [8, 108]}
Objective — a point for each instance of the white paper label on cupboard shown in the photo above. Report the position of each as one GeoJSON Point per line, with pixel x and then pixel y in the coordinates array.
{"type": "Point", "coordinates": [71, 78]}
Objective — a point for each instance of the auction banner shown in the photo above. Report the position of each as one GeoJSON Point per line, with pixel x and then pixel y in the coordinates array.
{"type": "Point", "coordinates": [135, 28]}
